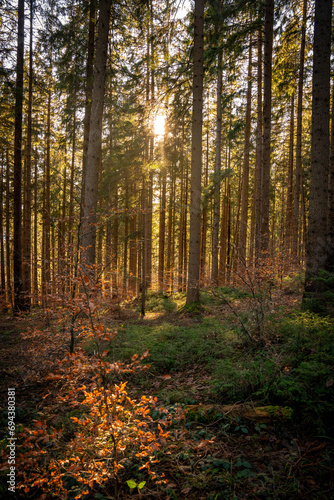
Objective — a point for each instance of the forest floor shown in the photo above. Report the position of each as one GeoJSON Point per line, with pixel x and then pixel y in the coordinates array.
{"type": "Point", "coordinates": [244, 400]}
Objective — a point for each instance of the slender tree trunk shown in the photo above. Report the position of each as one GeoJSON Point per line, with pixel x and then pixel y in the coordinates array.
{"type": "Point", "coordinates": [143, 264]}
{"type": "Point", "coordinates": [71, 202]}
{"type": "Point", "coordinates": [27, 205]}
{"type": "Point", "coordinates": [95, 135]}
{"type": "Point", "coordinates": [47, 205]}
{"type": "Point", "coordinates": [2, 247]}
{"type": "Point", "coordinates": [330, 221]}
{"type": "Point", "coordinates": [88, 96]}
{"type": "Point", "coordinates": [196, 157]}
{"type": "Point", "coordinates": [298, 169]}
{"type": "Point", "coordinates": [125, 250]}
{"type": "Point", "coordinates": [19, 303]}
{"type": "Point", "coordinates": [289, 205]}
{"type": "Point", "coordinates": [245, 168]}
{"type": "Point", "coordinates": [115, 247]}
{"type": "Point", "coordinates": [162, 229]}
{"type": "Point", "coordinates": [35, 260]}
{"type": "Point", "coordinates": [8, 219]}
{"type": "Point", "coordinates": [259, 142]}
{"type": "Point", "coordinates": [266, 164]}
{"type": "Point", "coordinates": [319, 250]}
{"type": "Point", "coordinates": [133, 247]}
{"type": "Point", "coordinates": [204, 229]}
{"type": "Point", "coordinates": [216, 208]}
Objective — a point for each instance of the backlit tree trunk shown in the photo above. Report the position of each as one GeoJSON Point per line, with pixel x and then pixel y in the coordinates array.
{"type": "Point", "coordinates": [17, 260]}
{"type": "Point", "coordinates": [216, 209]}
{"type": "Point", "coordinates": [95, 135]}
{"type": "Point", "coordinates": [298, 169]}
{"type": "Point", "coordinates": [266, 164]}
{"type": "Point", "coordinates": [245, 169]}
{"type": "Point", "coordinates": [196, 157]}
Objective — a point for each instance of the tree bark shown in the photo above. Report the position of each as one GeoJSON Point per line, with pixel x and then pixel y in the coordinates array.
{"type": "Point", "coordinates": [216, 209]}
{"type": "Point", "coordinates": [242, 254]}
{"type": "Point", "coordinates": [258, 164]}
{"type": "Point", "coordinates": [89, 92]}
{"type": "Point", "coordinates": [319, 249]}
{"type": "Point", "coordinates": [267, 93]}
{"type": "Point", "coordinates": [196, 157]}
{"type": "Point", "coordinates": [95, 136]}
{"type": "Point", "coordinates": [19, 303]}
{"type": "Point", "coordinates": [298, 169]}
{"type": "Point", "coordinates": [26, 240]}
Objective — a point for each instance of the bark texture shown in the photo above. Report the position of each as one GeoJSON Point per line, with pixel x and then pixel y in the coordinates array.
{"type": "Point", "coordinates": [319, 249]}
{"type": "Point", "coordinates": [196, 157]}
{"type": "Point", "coordinates": [95, 135]}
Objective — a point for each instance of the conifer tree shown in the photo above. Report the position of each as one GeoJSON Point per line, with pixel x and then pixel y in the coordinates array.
{"type": "Point", "coordinates": [196, 157]}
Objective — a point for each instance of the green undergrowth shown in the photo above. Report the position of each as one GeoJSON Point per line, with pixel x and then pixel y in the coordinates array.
{"type": "Point", "coordinates": [174, 347]}
{"type": "Point", "coordinates": [293, 367]}
{"type": "Point", "coordinates": [290, 364]}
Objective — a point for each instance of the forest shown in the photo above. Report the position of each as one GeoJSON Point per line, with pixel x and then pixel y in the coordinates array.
{"type": "Point", "coordinates": [166, 249]}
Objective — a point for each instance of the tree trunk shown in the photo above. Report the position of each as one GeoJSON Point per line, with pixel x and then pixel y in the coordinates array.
{"type": "Point", "coordinates": [268, 52]}
{"type": "Point", "coordinates": [298, 169]}
{"type": "Point", "coordinates": [204, 229]}
{"type": "Point", "coordinates": [35, 261]}
{"type": "Point", "coordinates": [162, 229]}
{"type": "Point", "coordinates": [95, 136]}
{"type": "Point", "coordinates": [88, 96]}
{"type": "Point", "coordinates": [242, 254]}
{"type": "Point", "coordinates": [26, 240]}
{"type": "Point", "coordinates": [216, 209]}
{"type": "Point", "coordinates": [47, 206]}
{"type": "Point", "coordinates": [319, 250]}
{"type": "Point", "coordinates": [19, 303]}
{"type": "Point", "coordinates": [196, 157]}
{"type": "Point", "coordinates": [289, 207]}
{"type": "Point", "coordinates": [8, 219]}
{"type": "Point", "coordinates": [258, 165]}
{"type": "Point", "coordinates": [2, 248]}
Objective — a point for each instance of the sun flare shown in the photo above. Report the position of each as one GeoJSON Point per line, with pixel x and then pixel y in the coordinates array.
{"type": "Point", "coordinates": [159, 124]}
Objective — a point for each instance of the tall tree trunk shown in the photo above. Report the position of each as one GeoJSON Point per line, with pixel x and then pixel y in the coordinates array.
{"type": "Point", "coordinates": [196, 157]}
{"type": "Point", "coordinates": [35, 260]}
{"type": "Point", "coordinates": [259, 140]}
{"type": "Point", "coordinates": [88, 94]}
{"type": "Point", "coordinates": [330, 221]}
{"type": "Point", "coordinates": [289, 205]}
{"type": "Point", "coordinates": [245, 169]}
{"type": "Point", "coordinates": [47, 205]}
{"type": "Point", "coordinates": [319, 250]}
{"type": "Point", "coordinates": [298, 169]}
{"type": "Point", "coordinates": [27, 205]}
{"type": "Point", "coordinates": [8, 219]}
{"type": "Point", "coordinates": [19, 303]}
{"type": "Point", "coordinates": [2, 247]}
{"type": "Point", "coordinates": [267, 92]}
{"type": "Point", "coordinates": [114, 259]}
{"type": "Point", "coordinates": [216, 207]}
{"type": "Point", "coordinates": [204, 229]}
{"type": "Point", "coordinates": [162, 227]}
{"type": "Point", "coordinates": [95, 136]}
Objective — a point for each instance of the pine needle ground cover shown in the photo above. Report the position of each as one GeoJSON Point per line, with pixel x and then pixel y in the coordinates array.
{"type": "Point", "coordinates": [173, 405]}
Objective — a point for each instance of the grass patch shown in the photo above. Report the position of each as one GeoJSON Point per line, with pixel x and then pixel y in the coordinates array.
{"type": "Point", "coordinates": [175, 347]}
{"type": "Point", "coordinates": [291, 365]}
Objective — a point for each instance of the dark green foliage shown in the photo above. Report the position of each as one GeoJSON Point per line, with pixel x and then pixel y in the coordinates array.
{"type": "Point", "coordinates": [292, 365]}
{"type": "Point", "coordinates": [319, 296]}
{"type": "Point", "coordinates": [295, 368]}
{"type": "Point", "coordinates": [159, 302]}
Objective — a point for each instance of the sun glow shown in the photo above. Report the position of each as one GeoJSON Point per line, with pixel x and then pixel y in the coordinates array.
{"type": "Point", "coordinates": [159, 125]}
